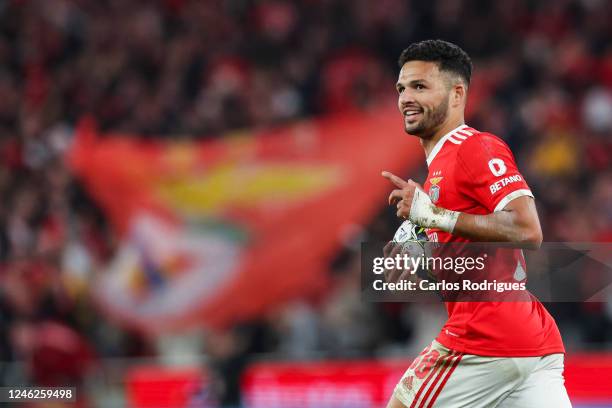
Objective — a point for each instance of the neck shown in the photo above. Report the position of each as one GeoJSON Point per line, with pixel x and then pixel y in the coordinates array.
{"type": "Point", "coordinates": [428, 144]}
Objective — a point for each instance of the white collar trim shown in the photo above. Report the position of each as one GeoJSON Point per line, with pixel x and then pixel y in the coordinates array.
{"type": "Point", "coordinates": [436, 149]}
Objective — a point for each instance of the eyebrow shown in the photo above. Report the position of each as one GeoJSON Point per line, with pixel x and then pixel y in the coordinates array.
{"type": "Point", "coordinates": [413, 82]}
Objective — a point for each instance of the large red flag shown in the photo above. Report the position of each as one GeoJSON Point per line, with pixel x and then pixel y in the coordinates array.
{"type": "Point", "coordinates": [219, 231]}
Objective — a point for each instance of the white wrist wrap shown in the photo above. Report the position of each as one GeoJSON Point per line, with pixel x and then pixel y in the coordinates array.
{"type": "Point", "coordinates": [424, 213]}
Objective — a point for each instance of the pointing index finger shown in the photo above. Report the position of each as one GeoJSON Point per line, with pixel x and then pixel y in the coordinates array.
{"type": "Point", "coordinates": [398, 181]}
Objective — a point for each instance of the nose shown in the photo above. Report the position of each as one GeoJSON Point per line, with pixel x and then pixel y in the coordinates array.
{"type": "Point", "coordinates": [405, 98]}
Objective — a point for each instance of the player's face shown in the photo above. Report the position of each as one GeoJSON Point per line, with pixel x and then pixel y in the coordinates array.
{"type": "Point", "coordinates": [423, 97]}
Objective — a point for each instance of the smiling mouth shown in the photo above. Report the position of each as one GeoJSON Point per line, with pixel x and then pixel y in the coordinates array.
{"type": "Point", "coordinates": [411, 114]}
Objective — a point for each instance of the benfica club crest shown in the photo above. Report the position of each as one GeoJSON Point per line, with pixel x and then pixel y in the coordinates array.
{"type": "Point", "coordinates": [434, 190]}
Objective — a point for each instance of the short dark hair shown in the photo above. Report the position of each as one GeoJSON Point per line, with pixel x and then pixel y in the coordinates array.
{"type": "Point", "coordinates": [448, 56]}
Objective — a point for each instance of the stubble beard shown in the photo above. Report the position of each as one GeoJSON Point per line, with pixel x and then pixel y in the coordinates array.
{"type": "Point", "coordinates": [431, 122]}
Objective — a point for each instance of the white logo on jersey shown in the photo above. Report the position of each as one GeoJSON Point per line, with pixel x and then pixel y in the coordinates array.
{"type": "Point", "coordinates": [498, 185]}
{"type": "Point", "coordinates": [519, 272]}
{"type": "Point", "coordinates": [450, 333]}
{"type": "Point", "coordinates": [498, 167]}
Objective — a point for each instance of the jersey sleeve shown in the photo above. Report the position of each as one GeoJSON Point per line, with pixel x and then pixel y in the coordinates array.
{"type": "Point", "coordinates": [487, 172]}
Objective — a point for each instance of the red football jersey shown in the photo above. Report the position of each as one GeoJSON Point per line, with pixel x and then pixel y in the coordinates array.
{"type": "Point", "coordinates": [475, 172]}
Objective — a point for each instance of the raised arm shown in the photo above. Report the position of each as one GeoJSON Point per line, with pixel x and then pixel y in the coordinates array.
{"type": "Point", "coordinates": [517, 222]}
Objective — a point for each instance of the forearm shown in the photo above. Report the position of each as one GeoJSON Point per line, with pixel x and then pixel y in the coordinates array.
{"type": "Point", "coordinates": [518, 223]}
{"type": "Point", "coordinates": [500, 226]}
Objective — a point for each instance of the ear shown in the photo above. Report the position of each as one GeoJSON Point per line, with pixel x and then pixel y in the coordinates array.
{"type": "Point", "coordinates": [458, 94]}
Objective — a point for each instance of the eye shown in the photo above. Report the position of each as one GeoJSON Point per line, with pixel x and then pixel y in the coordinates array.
{"type": "Point", "coordinates": [400, 89]}
{"type": "Point", "coordinates": [419, 87]}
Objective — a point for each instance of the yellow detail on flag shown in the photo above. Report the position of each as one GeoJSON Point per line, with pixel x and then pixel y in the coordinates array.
{"type": "Point", "coordinates": [247, 186]}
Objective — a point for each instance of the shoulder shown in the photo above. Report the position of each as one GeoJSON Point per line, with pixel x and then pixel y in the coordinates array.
{"type": "Point", "coordinates": [482, 144]}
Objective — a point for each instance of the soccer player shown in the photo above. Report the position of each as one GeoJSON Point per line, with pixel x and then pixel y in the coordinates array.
{"type": "Point", "coordinates": [488, 354]}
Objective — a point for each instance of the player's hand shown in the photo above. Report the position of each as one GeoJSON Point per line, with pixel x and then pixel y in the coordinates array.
{"type": "Point", "coordinates": [402, 196]}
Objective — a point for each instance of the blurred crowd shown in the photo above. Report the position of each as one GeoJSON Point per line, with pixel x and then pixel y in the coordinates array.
{"type": "Point", "coordinates": [180, 68]}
